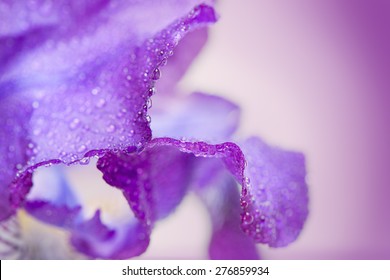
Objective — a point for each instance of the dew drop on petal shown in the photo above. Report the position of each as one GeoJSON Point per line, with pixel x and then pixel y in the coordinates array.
{"type": "Point", "coordinates": [148, 118]}
{"type": "Point", "coordinates": [74, 123]}
{"type": "Point", "coordinates": [156, 74]}
{"type": "Point", "coordinates": [151, 91]}
{"type": "Point", "coordinates": [82, 148]}
{"type": "Point", "coordinates": [110, 128]}
{"type": "Point", "coordinates": [247, 218]}
{"type": "Point", "coordinates": [84, 161]}
{"type": "Point", "coordinates": [37, 131]}
{"type": "Point", "coordinates": [101, 102]}
{"type": "Point", "coordinates": [95, 91]}
{"type": "Point", "coordinates": [35, 104]}
{"type": "Point", "coordinates": [149, 103]}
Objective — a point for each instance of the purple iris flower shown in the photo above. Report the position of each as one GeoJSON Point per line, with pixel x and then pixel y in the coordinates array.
{"type": "Point", "coordinates": [76, 82]}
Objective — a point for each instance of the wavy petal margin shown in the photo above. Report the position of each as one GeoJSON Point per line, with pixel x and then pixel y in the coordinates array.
{"type": "Point", "coordinates": [80, 95]}
{"type": "Point", "coordinates": [219, 192]}
{"type": "Point", "coordinates": [274, 197]}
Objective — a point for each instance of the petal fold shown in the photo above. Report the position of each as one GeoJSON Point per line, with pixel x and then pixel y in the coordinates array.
{"type": "Point", "coordinates": [219, 192]}
{"type": "Point", "coordinates": [274, 196]}
{"type": "Point", "coordinates": [78, 94]}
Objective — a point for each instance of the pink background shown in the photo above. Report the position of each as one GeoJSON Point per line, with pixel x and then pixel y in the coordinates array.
{"type": "Point", "coordinates": [311, 76]}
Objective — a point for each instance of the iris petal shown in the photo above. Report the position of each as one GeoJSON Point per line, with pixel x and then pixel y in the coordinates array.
{"type": "Point", "coordinates": [154, 182]}
{"type": "Point", "coordinates": [219, 192]}
{"type": "Point", "coordinates": [77, 93]}
{"type": "Point", "coordinates": [88, 235]}
{"type": "Point", "coordinates": [275, 196]}
{"type": "Point", "coordinates": [197, 116]}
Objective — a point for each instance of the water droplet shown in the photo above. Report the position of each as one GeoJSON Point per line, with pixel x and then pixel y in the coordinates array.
{"type": "Point", "coordinates": [151, 91]}
{"type": "Point", "coordinates": [95, 91]}
{"type": "Point", "coordinates": [110, 128]}
{"type": "Point", "coordinates": [244, 191]}
{"type": "Point", "coordinates": [163, 62]}
{"type": "Point", "coordinates": [156, 74]}
{"type": "Point", "coordinates": [248, 218]}
{"type": "Point", "coordinates": [82, 148]}
{"type": "Point", "coordinates": [128, 77]}
{"type": "Point", "coordinates": [35, 104]}
{"type": "Point", "coordinates": [101, 102]}
{"type": "Point", "coordinates": [37, 131]}
{"type": "Point", "coordinates": [84, 161]}
{"type": "Point", "coordinates": [149, 103]}
{"type": "Point", "coordinates": [244, 204]}
{"type": "Point", "coordinates": [131, 149]}
{"type": "Point", "coordinates": [148, 118]}
{"type": "Point", "coordinates": [220, 148]}
{"type": "Point", "coordinates": [74, 123]}
{"type": "Point", "coordinates": [184, 28]}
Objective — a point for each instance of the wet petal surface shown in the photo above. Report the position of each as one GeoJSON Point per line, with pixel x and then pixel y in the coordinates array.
{"type": "Point", "coordinates": [220, 193]}
{"type": "Point", "coordinates": [275, 197]}
{"type": "Point", "coordinates": [77, 93]}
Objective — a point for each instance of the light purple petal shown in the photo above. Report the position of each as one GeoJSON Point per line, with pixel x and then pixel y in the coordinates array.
{"type": "Point", "coordinates": [13, 147]}
{"type": "Point", "coordinates": [53, 202]}
{"type": "Point", "coordinates": [198, 116]}
{"type": "Point", "coordinates": [275, 198]}
{"type": "Point", "coordinates": [91, 236]}
{"type": "Point", "coordinates": [78, 93]}
{"type": "Point", "coordinates": [219, 191]}
{"type": "Point", "coordinates": [185, 53]}
{"type": "Point", "coordinates": [95, 239]}
{"type": "Point", "coordinates": [153, 182]}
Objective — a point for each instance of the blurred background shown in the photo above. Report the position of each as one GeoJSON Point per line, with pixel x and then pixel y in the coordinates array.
{"type": "Point", "coordinates": [311, 76]}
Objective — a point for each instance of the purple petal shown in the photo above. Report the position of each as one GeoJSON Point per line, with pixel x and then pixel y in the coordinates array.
{"type": "Point", "coordinates": [95, 239]}
{"type": "Point", "coordinates": [274, 199]}
{"type": "Point", "coordinates": [53, 202]}
{"type": "Point", "coordinates": [153, 182]}
{"type": "Point", "coordinates": [197, 116]}
{"type": "Point", "coordinates": [220, 194]}
{"type": "Point", "coordinates": [91, 236]}
{"type": "Point", "coordinates": [77, 93]}
{"type": "Point", "coordinates": [185, 53]}
{"type": "Point", "coordinates": [13, 147]}
{"type": "Point", "coordinates": [274, 192]}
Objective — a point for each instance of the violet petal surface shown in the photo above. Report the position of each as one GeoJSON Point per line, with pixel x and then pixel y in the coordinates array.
{"type": "Point", "coordinates": [275, 196]}
{"type": "Point", "coordinates": [77, 93]}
